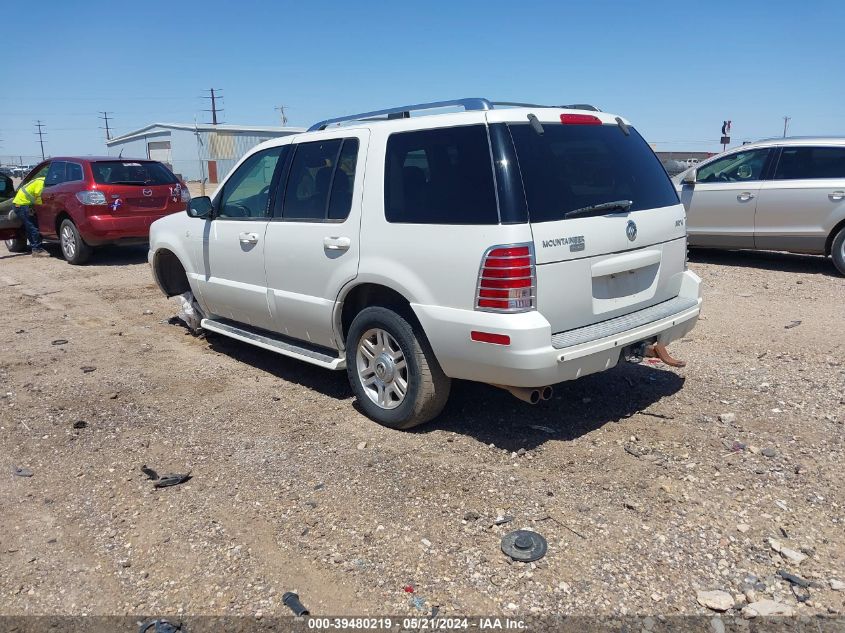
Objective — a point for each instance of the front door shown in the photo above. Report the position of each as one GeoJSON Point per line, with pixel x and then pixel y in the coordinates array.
{"type": "Point", "coordinates": [721, 205]}
{"type": "Point", "coordinates": [234, 285]}
{"type": "Point", "coordinates": [802, 202]}
{"type": "Point", "coordinates": [312, 243]}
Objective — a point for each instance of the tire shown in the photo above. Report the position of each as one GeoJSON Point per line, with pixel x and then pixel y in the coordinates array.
{"type": "Point", "coordinates": [74, 248]}
{"type": "Point", "coordinates": [379, 340]}
{"type": "Point", "coordinates": [18, 243]}
{"type": "Point", "coordinates": [837, 251]}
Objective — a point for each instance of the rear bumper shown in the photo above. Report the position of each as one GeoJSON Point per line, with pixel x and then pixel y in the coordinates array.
{"type": "Point", "coordinates": [535, 357]}
{"type": "Point", "coordinates": [106, 229]}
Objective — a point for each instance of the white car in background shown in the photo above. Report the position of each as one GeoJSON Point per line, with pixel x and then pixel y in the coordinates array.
{"type": "Point", "coordinates": [784, 194]}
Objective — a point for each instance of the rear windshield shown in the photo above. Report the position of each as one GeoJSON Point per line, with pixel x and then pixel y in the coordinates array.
{"type": "Point", "coordinates": [132, 173]}
{"type": "Point", "coordinates": [570, 167]}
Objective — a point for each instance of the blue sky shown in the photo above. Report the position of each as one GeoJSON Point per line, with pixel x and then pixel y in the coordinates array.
{"type": "Point", "coordinates": [676, 69]}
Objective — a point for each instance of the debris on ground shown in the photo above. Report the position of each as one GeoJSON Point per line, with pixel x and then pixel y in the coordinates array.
{"type": "Point", "coordinates": [763, 608]}
{"type": "Point", "coordinates": [292, 602]}
{"type": "Point", "coordinates": [544, 429]}
{"type": "Point", "coordinates": [727, 418]}
{"type": "Point", "coordinates": [792, 325]}
{"type": "Point", "coordinates": [87, 369]}
{"type": "Point", "coordinates": [362, 446]}
{"type": "Point", "coordinates": [80, 424]}
{"type": "Point", "coordinates": [21, 472]}
{"type": "Point", "coordinates": [788, 553]}
{"type": "Point", "coordinates": [160, 626]}
{"type": "Point", "coordinates": [501, 520]}
{"type": "Point", "coordinates": [59, 341]}
{"type": "Point", "coordinates": [524, 545]}
{"type": "Point", "coordinates": [165, 481]}
{"type": "Point", "coordinates": [716, 600]}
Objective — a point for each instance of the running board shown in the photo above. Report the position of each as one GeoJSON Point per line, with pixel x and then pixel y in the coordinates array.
{"type": "Point", "coordinates": [274, 343]}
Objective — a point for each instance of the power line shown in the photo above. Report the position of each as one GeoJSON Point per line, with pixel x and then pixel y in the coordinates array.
{"type": "Point", "coordinates": [281, 110]}
{"type": "Point", "coordinates": [39, 125]}
{"type": "Point", "coordinates": [105, 118]}
{"type": "Point", "coordinates": [214, 109]}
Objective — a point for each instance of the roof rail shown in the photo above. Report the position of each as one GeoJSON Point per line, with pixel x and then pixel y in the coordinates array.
{"type": "Point", "coordinates": [404, 112]}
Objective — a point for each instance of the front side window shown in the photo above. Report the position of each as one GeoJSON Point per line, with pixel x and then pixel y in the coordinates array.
{"type": "Point", "coordinates": [799, 163]}
{"type": "Point", "coordinates": [56, 173]}
{"type": "Point", "coordinates": [441, 176]}
{"type": "Point", "coordinates": [739, 167]}
{"type": "Point", "coordinates": [247, 193]}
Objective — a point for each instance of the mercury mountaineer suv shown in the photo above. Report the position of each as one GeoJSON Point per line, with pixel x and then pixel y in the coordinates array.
{"type": "Point", "coordinates": [512, 244]}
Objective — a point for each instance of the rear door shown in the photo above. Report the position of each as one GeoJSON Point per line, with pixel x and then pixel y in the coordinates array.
{"type": "Point", "coordinates": [312, 243]}
{"type": "Point", "coordinates": [597, 264]}
{"type": "Point", "coordinates": [722, 203]}
{"type": "Point", "coordinates": [234, 283]}
{"type": "Point", "coordinates": [803, 201]}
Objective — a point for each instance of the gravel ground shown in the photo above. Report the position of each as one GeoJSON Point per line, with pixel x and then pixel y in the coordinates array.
{"type": "Point", "coordinates": [651, 484]}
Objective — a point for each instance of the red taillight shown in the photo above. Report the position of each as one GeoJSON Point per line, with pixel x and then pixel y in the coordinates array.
{"type": "Point", "coordinates": [580, 119]}
{"type": "Point", "coordinates": [489, 337]}
{"type": "Point", "coordinates": [506, 280]}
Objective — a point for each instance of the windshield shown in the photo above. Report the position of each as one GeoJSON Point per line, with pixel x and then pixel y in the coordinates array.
{"type": "Point", "coordinates": [132, 173]}
{"type": "Point", "coordinates": [571, 167]}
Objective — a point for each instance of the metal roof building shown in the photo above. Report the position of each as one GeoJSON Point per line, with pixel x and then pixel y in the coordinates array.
{"type": "Point", "coordinates": [194, 152]}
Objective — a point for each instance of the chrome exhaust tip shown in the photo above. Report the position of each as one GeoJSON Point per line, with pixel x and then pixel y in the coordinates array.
{"type": "Point", "coordinates": [531, 395]}
{"type": "Point", "coordinates": [547, 392]}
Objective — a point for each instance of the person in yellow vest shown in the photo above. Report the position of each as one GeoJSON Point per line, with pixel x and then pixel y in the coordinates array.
{"type": "Point", "coordinates": [25, 200]}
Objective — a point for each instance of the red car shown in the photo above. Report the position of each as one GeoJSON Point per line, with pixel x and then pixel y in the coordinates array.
{"type": "Point", "coordinates": [92, 201]}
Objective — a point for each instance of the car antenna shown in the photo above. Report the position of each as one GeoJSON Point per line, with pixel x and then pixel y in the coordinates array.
{"type": "Point", "coordinates": [121, 152]}
{"type": "Point", "coordinates": [535, 123]}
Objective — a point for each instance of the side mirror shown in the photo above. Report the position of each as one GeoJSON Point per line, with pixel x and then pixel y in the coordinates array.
{"type": "Point", "coordinates": [200, 207]}
{"type": "Point", "coordinates": [689, 178]}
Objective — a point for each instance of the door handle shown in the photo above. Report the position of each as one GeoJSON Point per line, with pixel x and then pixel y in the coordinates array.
{"type": "Point", "coordinates": [837, 195]}
{"type": "Point", "coordinates": [337, 243]}
{"type": "Point", "coordinates": [248, 238]}
{"type": "Point", "coordinates": [745, 196]}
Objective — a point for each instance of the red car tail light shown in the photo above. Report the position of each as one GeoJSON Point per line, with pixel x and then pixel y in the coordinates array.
{"type": "Point", "coordinates": [507, 279]}
{"type": "Point", "coordinates": [91, 197]}
{"type": "Point", "coordinates": [580, 119]}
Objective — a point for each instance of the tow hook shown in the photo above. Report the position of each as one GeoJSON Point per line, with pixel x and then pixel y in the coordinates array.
{"type": "Point", "coordinates": [659, 350]}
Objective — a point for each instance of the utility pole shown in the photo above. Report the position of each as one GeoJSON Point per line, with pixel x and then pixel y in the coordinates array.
{"type": "Point", "coordinates": [281, 110]}
{"type": "Point", "coordinates": [786, 121]}
{"type": "Point", "coordinates": [105, 118]}
{"type": "Point", "coordinates": [40, 134]}
{"type": "Point", "coordinates": [214, 109]}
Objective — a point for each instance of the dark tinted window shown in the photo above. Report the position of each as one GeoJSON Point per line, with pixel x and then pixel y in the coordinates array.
{"type": "Point", "coordinates": [247, 193]}
{"type": "Point", "coordinates": [56, 173]}
{"type": "Point", "coordinates": [73, 172]}
{"type": "Point", "coordinates": [340, 201]}
{"type": "Point", "coordinates": [441, 176]}
{"type": "Point", "coordinates": [811, 162]}
{"type": "Point", "coordinates": [310, 180]}
{"type": "Point", "coordinates": [570, 167]}
{"type": "Point", "coordinates": [738, 167]}
{"type": "Point", "coordinates": [131, 172]}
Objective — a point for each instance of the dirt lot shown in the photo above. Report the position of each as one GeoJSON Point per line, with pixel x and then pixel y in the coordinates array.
{"type": "Point", "coordinates": [649, 483]}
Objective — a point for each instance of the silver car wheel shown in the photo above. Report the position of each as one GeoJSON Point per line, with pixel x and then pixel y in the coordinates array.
{"type": "Point", "coordinates": [68, 242]}
{"type": "Point", "coordinates": [382, 369]}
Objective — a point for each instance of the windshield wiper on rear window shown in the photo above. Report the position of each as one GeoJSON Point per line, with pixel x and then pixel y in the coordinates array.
{"type": "Point", "coordinates": [599, 209]}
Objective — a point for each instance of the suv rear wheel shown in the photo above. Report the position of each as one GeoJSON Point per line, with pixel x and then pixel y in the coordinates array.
{"type": "Point", "coordinates": [393, 372]}
{"type": "Point", "coordinates": [837, 251]}
{"type": "Point", "coordinates": [74, 248]}
{"type": "Point", "coordinates": [18, 243]}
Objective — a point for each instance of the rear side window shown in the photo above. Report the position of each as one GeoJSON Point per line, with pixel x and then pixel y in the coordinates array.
{"type": "Point", "coordinates": [441, 176]}
{"type": "Point", "coordinates": [310, 180]}
{"type": "Point", "coordinates": [73, 172]}
{"type": "Point", "coordinates": [141, 173]}
{"type": "Point", "coordinates": [56, 173]}
{"type": "Point", "coordinates": [798, 163]}
{"type": "Point", "coordinates": [570, 167]}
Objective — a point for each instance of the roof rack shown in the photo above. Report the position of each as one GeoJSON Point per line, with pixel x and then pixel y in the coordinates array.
{"type": "Point", "coordinates": [404, 112]}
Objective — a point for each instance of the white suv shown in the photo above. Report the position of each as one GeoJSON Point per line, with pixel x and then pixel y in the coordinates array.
{"type": "Point", "coordinates": [517, 245]}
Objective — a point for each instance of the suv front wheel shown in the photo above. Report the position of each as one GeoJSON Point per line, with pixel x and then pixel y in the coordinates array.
{"type": "Point", "coordinates": [392, 369]}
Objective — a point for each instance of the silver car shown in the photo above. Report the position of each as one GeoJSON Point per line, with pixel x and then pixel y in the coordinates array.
{"type": "Point", "coordinates": [784, 194]}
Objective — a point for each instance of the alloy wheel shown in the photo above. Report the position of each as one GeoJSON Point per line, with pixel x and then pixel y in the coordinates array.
{"type": "Point", "coordinates": [382, 368]}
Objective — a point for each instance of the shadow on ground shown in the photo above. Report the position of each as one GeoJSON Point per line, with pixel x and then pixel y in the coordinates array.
{"type": "Point", "coordinates": [766, 260]}
{"type": "Point", "coordinates": [489, 414]}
